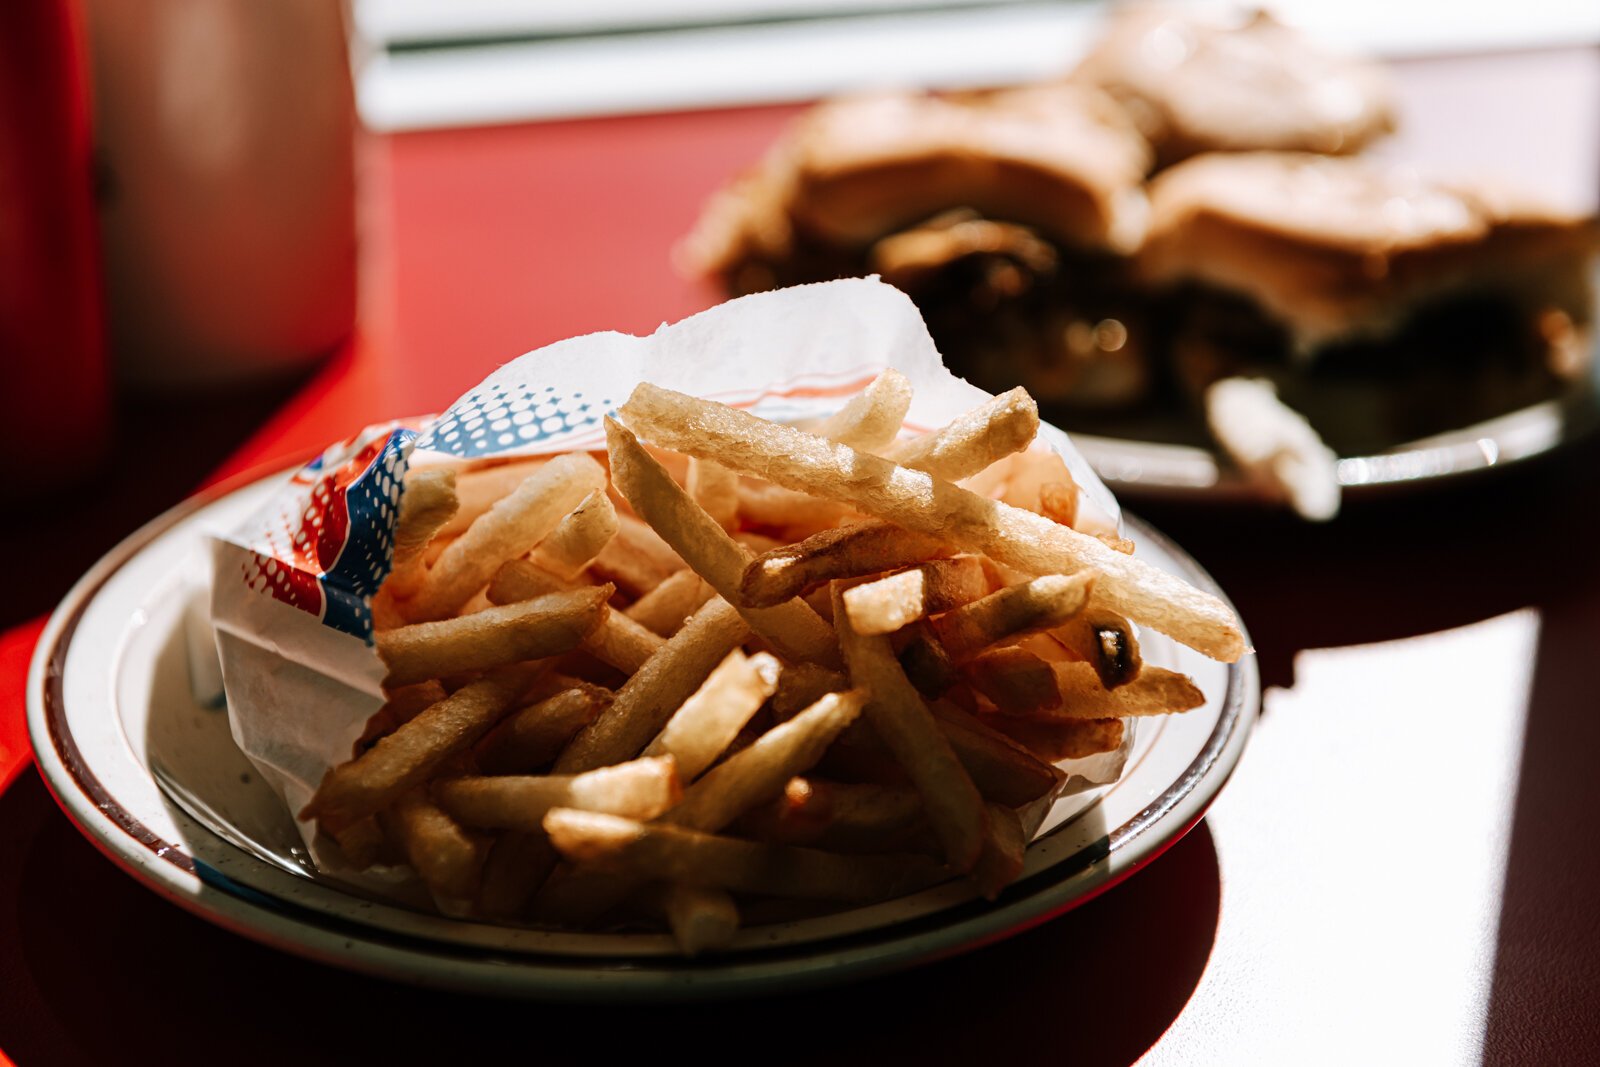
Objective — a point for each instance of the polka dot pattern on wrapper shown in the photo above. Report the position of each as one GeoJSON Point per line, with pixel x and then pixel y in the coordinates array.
{"type": "Point", "coordinates": [504, 418]}
{"type": "Point", "coordinates": [331, 542]}
{"type": "Point", "coordinates": [371, 505]}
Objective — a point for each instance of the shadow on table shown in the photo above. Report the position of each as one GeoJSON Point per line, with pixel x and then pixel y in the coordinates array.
{"type": "Point", "coordinates": [101, 969]}
{"type": "Point", "coordinates": [1544, 1002]}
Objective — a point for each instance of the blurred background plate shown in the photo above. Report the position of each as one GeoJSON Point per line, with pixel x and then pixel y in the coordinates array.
{"type": "Point", "coordinates": [1141, 469]}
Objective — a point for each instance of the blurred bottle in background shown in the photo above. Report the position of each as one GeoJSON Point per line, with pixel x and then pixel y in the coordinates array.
{"type": "Point", "coordinates": [54, 389]}
{"type": "Point", "coordinates": [225, 131]}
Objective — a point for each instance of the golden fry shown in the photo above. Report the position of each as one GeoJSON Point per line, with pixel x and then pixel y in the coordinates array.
{"type": "Point", "coordinates": [1024, 608]}
{"type": "Point", "coordinates": [1004, 770]}
{"type": "Point", "coordinates": [1105, 641]}
{"type": "Point", "coordinates": [973, 440]}
{"type": "Point", "coordinates": [616, 640]}
{"type": "Point", "coordinates": [578, 537]}
{"type": "Point", "coordinates": [426, 505]}
{"type": "Point", "coordinates": [902, 720]}
{"type": "Point", "coordinates": [843, 817]}
{"type": "Point", "coordinates": [716, 489]}
{"type": "Point", "coordinates": [1156, 691]}
{"type": "Point", "coordinates": [647, 700]}
{"type": "Point", "coordinates": [641, 789]}
{"type": "Point", "coordinates": [509, 529]}
{"type": "Point", "coordinates": [480, 489]}
{"type": "Point", "coordinates": [1015, 680]}
{"type": "Point", "coordinates": [845, 552]}
{"type": "Point", "coordinates": [407, 757]}
{"type": "Point", "coordinates": [792, 628]}
{"type": "Point", "coordinates": [532, 629]}
{"type": "Point", "coordinates": [887, 604]}
{"type": "Point", "coordinates": [872, 418]}
{"type": "Point", "coordinates": [637, 559]}
{"type": "Point", "coordinates": [1059, 739]}
{"type": "Point", "coordinates": [655, 850]}
{"type": "Point", "coordinates": [757, 773]}
{"type": "Point", "coordinates": [517, 865]}
{"type": "Point", "coordinates": [1031, 543]}
{"type": "Point", "coordinates": [663, 609]}
{"type": "Point", "coordinates": [702, 919]}
{"type": "Point", "coordinates": [701, 730]}
{"type": "Point", "coordinates": [535, 735]}
{"type": "Point", "coordinates": [445, 857]}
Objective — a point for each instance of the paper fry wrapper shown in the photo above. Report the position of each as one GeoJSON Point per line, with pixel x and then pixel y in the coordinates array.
{"type": "Point", "coordinates": [292, 587]}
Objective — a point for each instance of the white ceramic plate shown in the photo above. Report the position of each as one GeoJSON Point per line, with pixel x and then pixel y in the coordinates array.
{"type": "Point", "coordinates": [154, 780]}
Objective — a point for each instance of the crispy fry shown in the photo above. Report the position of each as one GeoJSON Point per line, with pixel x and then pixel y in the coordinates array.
{"type": "Point", "coordinates": [532, 629]}
{"type": "Point", "coordinates": [802, 685]}
{"type": "Point", "coordinates": [886, 605]}
{"type": "Point", "coordinates": [902, 720]}
{"type": "Point", "coordinates": [637, 559]}
{"type": "Point", "coordinates": [478, 490]}
{"type": "Point", "coordinates": [645, 703]}
{"type": "Point", "coordinates": [654, 850]}
{"type": "Point", "coordinates": [1044, 602]}
{"type": "Point", "coordinates": [1156, 691]}
{"type": "Point", "coordinates": [716, 489]}
{"type": "Point", "coordinates": [616, 640]}
{"type": "Point", "coordinates": [1003, 849]}
{"type": "Point", "coordinates": [708, 721]}
{"type": "Point", "coordinates": [535, 735]}
{"type": "Point", "coordinates": [702, 919]}
{"type": "Point", "coordinates": [784, 509]}
{"type": "Point", "coordinates": [1021, 539]}
{"type": "Point", "coordinates": [426, 505]}
{"type": "Point", "coordinates": [972, 441]}
{"type": "Point", "coordinates": [792, 628]}
{"type": "Point", "coordinates": [641, 789]}
{"type": "Point", "coordinates": [446, 858]}
{"type": "Point", "coordinates": [517, 866]}
{"type": "Point", "coordinates": [1015, 680]}
{"type": "Point", "coordinates": [408, 756]}
{"type": "Point", "coordinates": [842, 817]}
{"type": "Point", "coordinates": [663, 609]}
{"type": "Point", "coordinates": [926, 663]}
{"type": "Point", "coordinates": [757, 773]}
{"type": "Point", "coordinates": [872, 418]}
{"type": "Point", "coordinates": [509, 529]}
{"type": "Point", "coordinates": [1059, 739]}
{"type": "Point", "coordinates": [845, 552]}
{"type": "Point", "coordinates": [363, 842]}
{"type": "Point", "coordinates": [403, 704]}
{"type": "Point", "coordinates": [1105, 641]}
{"type": "Point", "coordinates": [1059, 501]}
{"type": "Point", "coordinates": [578, 537]}
{"type": "Point", "coordinates": [1004, 770]}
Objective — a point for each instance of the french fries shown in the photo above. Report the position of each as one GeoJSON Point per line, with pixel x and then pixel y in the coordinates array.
{"type": "Point", "coordinates": [641, 789]}
{"type": "Point", "coordinates": [509, 529]}
{"type": "Point", "coordinates": [616, 686]}
{"type": "Point", "coordinates": [890, 603]}
{"type": "Point", "coordinates": [1021, 539]}
{"type": "Point", "coordinates": [532, 629]}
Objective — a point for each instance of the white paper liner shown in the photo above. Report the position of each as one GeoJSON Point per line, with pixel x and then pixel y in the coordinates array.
{"type": "Point", "coordinates": [301, 676]}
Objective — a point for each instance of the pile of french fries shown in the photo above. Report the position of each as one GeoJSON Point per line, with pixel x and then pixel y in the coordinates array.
{"type": "Point", "coordinates": [732, 671]}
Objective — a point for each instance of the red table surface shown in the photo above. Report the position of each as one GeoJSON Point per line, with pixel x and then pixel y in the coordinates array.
{"type": "Point", "coordinates": [482, 244]}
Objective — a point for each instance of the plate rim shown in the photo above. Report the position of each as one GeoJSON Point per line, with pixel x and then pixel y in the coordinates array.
{"type": "Point", "coordinates": [1478, 448]}
{"type": "Point", "coordinates": [200, 889]}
